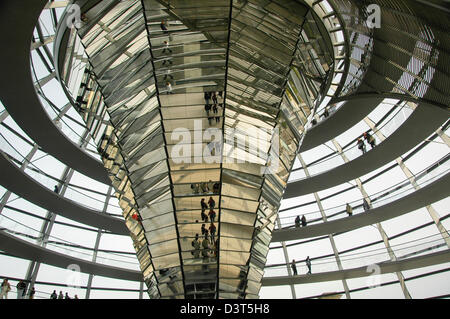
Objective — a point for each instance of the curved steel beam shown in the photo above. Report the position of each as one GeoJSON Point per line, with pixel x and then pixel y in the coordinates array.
{"type": "Point", "coordinates": [18, 94]}
{"type": "Point", "coordinates": [24, 249]}
{"type": "Point", "coordinates": [418, 199]}
{"type": "Point", "coordinates": [422, 123]}
{"type": "Point", "coordinates": [24, 186]}
{"type": "Point", "coordinates": [385, 268]}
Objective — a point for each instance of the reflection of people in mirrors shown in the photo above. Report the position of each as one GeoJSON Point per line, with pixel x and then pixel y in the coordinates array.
{"type": "Point", "coordinates": [166, 47]}
{"type": "Point", "coordinates": [204, 188]}
{"type": "Point", "coordinates": [163, 26]}
{"type": "Point", "coordinates": [349, 209]}
{"type": "Point", "coordinates": [212, 215]}
{"type": "Point", "coordinates": [212, 230]}
{"type": "Point", "coordinates": [203, 204]}
{"type": "Point", "coordinates": [308, 264]}
{"type": "Point", "coordinates": [168, 75]}
{"type": "Point", "coordinates": [211, 203]}
{"type": "Point", "coordinates": [216, 186]}
{"type": "Point", "coordinates": [167, 61]}
{"type": "Point", "coordinates": [195, 188]}
{"type": "Point", "coordinates": [169, 88]}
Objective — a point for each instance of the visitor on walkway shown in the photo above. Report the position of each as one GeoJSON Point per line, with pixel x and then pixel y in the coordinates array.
{"type": "Point", "coordinates": [349, 209]}
{"type": "Point", "coordinates": [361, 145]}
{"type": "Point", "coordinates": [366, 205]}
{"type": "Point", "coordinates": [54, 295]}
{"type": "Point", "coordinates": [370, 139]}
{"type": "Point", "coordinates": [294, 267]}
{"type": "Point", "coordinates": [5, 288]}
{"type": "Point", "coordinates": [304, 221]}
{"type": "Point", "coordinates": [21, 286]}
{"type": "Point", "coordinates": [308, 264]}
{"type": "Point", "coordinates": [60, 296]}
{"type": "Point", "coordinates": [297, 222]}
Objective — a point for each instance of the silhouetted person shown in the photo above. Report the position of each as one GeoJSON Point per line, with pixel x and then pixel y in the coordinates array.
{"type": "Point", "coordinates": [212, 230]}
{"type": "Point", "coordinates": [204, 217]}
{"type": "Point", "coordinates": [56, 189]}
{"type": "Point", "coordinates": [60, 296]}
{"type": "Point", "coordinates": [366, 205]}
{"type": "Point", "coordinates": [308, 264]}
{"type": "Point", "coordinates": [66, 296]}
{"type": "Point", "coordinates": [216, 186]}
{"type": "Point", "coordinates": [211, 203]}
{"type": "Point", "coordinates": [54, 295]}
{"type": "Point", "coordinates": [203, 229]}
{"type": "Point", "coordinates": [297, 222]}
{"type": "Point", "coordinates": [212, 215]}
{"type": "Point", "coordinates": [326, 113]}
{"type": "Point", "coordinates": [294, 267]}
{"type": "Point", "coordinates": [370, 139]}
{"type": "Point", "coordinates": [207, 109]}
{"type": "Point", "coordinates": [203, 204]}
{"type": "Point", "coordinates": [361, 145]}
{"type": "Point", "coordinates": [21, 286]}
{"type": "Point", "coordinates": [304, 221]}
{"type": "Point", "coordinates": [349, 209]}
{"type": "Point", "coordinates": [207, 96]}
